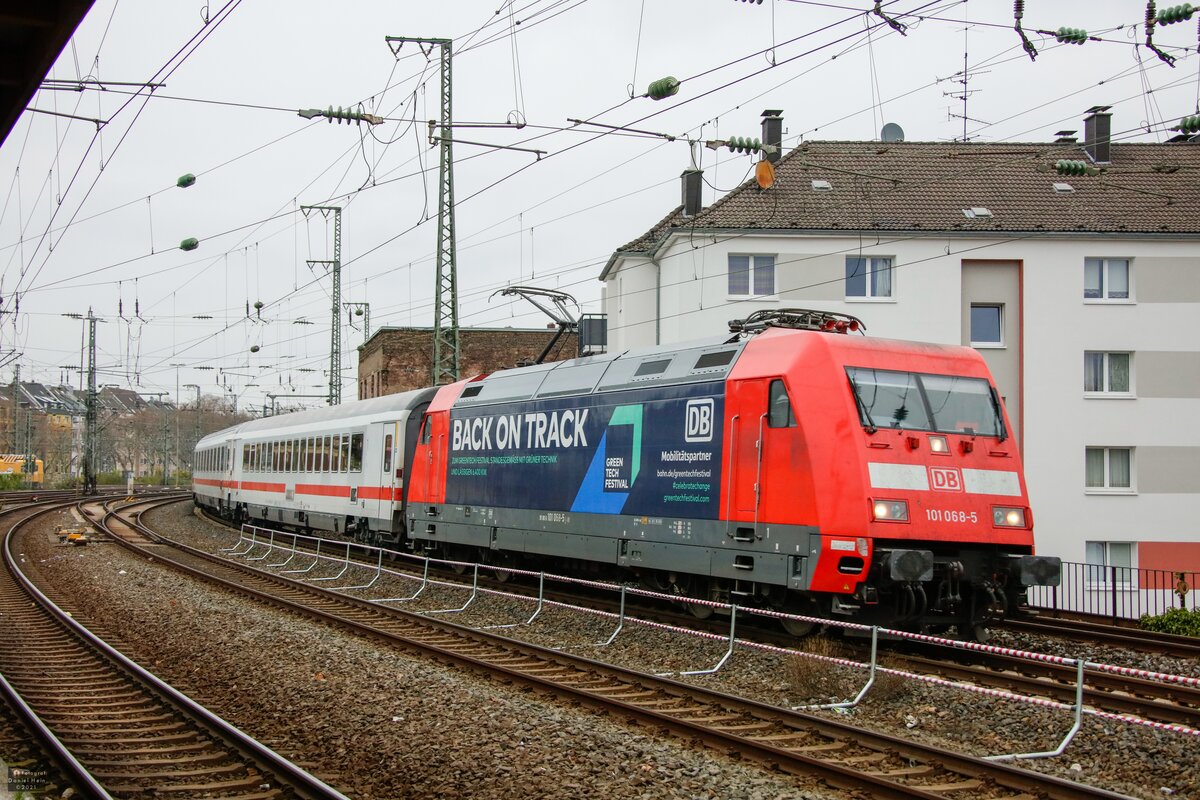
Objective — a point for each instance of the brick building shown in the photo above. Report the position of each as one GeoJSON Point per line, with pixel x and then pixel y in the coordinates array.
{"type": "Point", "coordinates": [400, 359]}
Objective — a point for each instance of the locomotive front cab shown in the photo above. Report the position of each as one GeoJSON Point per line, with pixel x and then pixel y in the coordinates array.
{"type": "Point", "coordinates": [951, 528]}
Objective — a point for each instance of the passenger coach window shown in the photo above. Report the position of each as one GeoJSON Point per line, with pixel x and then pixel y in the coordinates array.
{"type": "Point", "coordinates": [326, 453]}
{"type": "Point", "coordinates": [356, 447]}
{"type": "Point", "coordinates": [345, 453]}
{"type": "Point", "coordinates": [337, 453]}
{"type": "Point", "coordinates": [387, 454]}
{"type": "Point", "coordinates": [779, 413]}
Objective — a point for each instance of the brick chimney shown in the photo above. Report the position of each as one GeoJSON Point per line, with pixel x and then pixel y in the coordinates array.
{"type": "Point", "coordinates": [1097, 128]}
{"type": "Point", "coordinates": [772, 132]}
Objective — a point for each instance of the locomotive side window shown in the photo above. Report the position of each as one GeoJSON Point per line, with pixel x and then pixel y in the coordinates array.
{"type": "Point", "coordinates": [652, 367]}
{"type": "Point", "coordinates": [356, 452]}
{"type": "Point", "coordinates": [779, 411]}
{"type": "Point", "coordinates": [425, 426]}
{"type": "Point", "coordinates": [717, 359]}
{"type": "Point", "coordinates": [387, 454]}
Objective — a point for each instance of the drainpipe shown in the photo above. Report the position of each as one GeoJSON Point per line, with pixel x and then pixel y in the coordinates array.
{"type": "Point", "coordinates": [657, 300]}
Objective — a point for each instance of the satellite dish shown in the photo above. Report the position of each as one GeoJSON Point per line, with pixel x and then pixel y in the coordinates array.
{"type": "Point", "coordinates": [892, 133]}
{"type": "Point", "coordinates": [764, 173]}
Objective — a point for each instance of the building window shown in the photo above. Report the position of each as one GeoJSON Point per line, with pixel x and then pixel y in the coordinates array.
{"type": "Point", "coordinates": [1109, 469]}
{"type": "Point", "coordinates": [868, 276]}
{"type": "Point", "coordinates": [1106, 373]}
{"type": "Point", "coordinates": [1110, 563]}
{"type": "Point", "coordinates": [987, 325]}
{"type": "Point", "coordinates": [746, 272]}
{"type": "Point", "coordinates": [1106, 279]}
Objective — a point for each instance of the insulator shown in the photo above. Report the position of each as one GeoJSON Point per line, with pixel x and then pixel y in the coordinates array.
{"type": "Point", "coordinates": [1175, 14]}
{"type": "Point", "coordinates": [738, 144]}
{"type": "Point", "coordinates": [1071, 35]}
{"type": "Point", "coordinates": [190, 243]}
{"type": "Point", "coordinates": [1067, 167]}
{"type": "Point", "coordinates": [663, 88]}
{"type": "Point", "coordinates": [755, 2]}
{"type": "Point", "coordinates": [1018, 9]}
{"type": "Point", "coordinates": [1188, 124]}
{"type": "Point", "coordinates": [185, 181]}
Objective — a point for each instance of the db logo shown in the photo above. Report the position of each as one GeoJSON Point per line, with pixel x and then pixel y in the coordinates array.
{"type": "Point", "coordinates": [699, 421]}
{"type": "Point", "coordinates": [945, 479]}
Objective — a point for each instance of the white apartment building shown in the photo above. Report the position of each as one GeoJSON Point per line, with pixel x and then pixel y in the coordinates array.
{"type": "Point", "coordinates": [1081, 292]}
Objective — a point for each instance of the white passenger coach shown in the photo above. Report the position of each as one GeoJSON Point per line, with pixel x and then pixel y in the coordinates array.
{"type": "Point", "coordinates": [335, 469]}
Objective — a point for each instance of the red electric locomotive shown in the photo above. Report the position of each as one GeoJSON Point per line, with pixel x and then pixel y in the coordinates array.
{"type": "Point", "coordinates": [831, 475]}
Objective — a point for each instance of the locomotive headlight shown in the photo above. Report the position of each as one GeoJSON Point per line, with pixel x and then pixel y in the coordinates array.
{"type": "Point", "coordinates": [938, 444]}
{"type": "Point", "coordinates": [891, 511]}
{"type": "Point", "coordinates": [1003, 517]}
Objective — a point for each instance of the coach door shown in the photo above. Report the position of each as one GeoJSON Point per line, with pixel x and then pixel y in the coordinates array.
{"type": "Point", "coordinates": [389, 447]}
{"type": "Point", "coordinates": [760, 441]}
{"type": "Point", "coordinates": [745, 436]}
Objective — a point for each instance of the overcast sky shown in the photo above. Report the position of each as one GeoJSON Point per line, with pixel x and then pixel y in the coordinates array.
{"type": "Point", "coordinates": [93, 218]}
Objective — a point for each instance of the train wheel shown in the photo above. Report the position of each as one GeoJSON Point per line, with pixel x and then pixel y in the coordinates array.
{"type": "Point", "coordinates": [458, 557]}
{"type": "Point", "coordinates": [499, 562]}
{"type": "Point", "coordinates": [798, 628]}
{"type": "Point", "coordinates": [700, 612]}
{"type": "Point", "coordinates": [804, 607]}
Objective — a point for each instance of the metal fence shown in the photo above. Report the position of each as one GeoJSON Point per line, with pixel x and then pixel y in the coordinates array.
{"type": "Point", "coordinates": [1117, 592]}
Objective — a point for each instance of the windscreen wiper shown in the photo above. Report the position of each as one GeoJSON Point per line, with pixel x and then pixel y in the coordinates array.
{"type": "Point", "coordinates": [862, 407]}
{"type": "Point", "coordinates": [999, 412]}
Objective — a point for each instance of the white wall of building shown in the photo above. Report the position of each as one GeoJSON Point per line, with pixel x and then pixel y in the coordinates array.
{"type": "Point", "coordinates": [1058, 326]}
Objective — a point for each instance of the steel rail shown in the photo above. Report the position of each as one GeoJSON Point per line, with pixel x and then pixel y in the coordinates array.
{"type": "Point", "coordinates": [265, 759]}
{"type": "Point", "coordinates": [1132, 638]}
{"type": "Point", "coordinates": [75, 772]}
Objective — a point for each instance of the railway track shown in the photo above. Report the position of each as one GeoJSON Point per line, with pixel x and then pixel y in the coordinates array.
{"type": "Point", "coordinates": [1119, 636]}
{"type": "Point", "coordinates": [130, 734]}
{"type": "Point", "coordinates": [37, 760]}
{"type": "Point", "coordinates": [1149, 699]}
{"type": "Point", "coordinates": [845, 756]}
{"type": "Point", "coordinates": [1120, 694]}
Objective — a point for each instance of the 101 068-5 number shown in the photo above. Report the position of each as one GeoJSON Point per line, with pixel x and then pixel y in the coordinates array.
{"type": "Point", "coordinates": [947, 515]}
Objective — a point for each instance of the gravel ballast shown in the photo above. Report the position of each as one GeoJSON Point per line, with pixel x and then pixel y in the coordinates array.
{"type": "Point", "coordinates": [373, 721]}
{"type": "Point", "coordinates": [402, 725]}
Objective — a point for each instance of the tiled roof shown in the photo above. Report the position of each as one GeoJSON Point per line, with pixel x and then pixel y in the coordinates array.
{"type": "Point", "coordinates": [925, 186]}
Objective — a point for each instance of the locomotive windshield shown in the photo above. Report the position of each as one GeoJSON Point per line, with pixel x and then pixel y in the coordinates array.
{"type": "Point", "coordinates": [920, 402]}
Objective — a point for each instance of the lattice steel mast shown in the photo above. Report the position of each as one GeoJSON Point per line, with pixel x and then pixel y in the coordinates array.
{"type": "Point", "coordinates": [335, 266]}
{"type": "Point", "coordinates": [445, 322]}
{"type": "Point", "coordinates": [90, 402]}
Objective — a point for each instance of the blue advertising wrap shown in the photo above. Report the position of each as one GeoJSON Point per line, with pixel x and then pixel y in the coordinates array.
{"type": "Point", "coordinates": [652, 452]}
